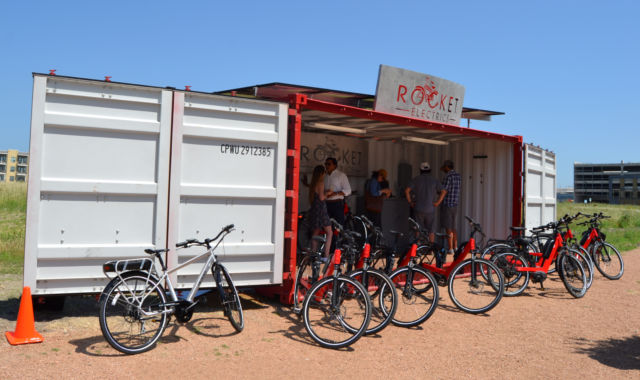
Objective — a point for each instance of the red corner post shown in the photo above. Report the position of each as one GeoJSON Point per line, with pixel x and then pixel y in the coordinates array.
{"type": "Point", "coordinates": [296, 102]}
{"type": "Point", "coordinates": [518, 151]}
{"type": "Point", "coordinates": [294, 127]}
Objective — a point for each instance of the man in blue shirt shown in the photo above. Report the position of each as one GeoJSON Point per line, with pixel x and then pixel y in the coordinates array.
{"type": "Point", "coordinates": [449, 209]}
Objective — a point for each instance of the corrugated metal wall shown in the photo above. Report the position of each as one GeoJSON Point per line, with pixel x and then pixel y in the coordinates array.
{"type": "Point", "coordinates": [486, 168]}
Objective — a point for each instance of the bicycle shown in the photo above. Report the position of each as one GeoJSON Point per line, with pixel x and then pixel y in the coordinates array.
{"type": "Point", "coordinates": [133, 307]}
{"type": "Point", "coordinates": [336, 309]}
{"type": "Point", "coordinates": [378, 284]}
{"type": "Point", "coordinates": [475, 285]}
{"type": "Point", "coordinates": [527, 247]}
{"type": "Point", "coordinates": [418, 291]}
{"type": "Point", "coordinates": [520, 265]}
{"type": "Point", "coordinates": [605, 256]}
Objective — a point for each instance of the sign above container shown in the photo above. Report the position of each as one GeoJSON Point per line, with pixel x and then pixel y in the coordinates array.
{"type": "Point", "coordinates": [416, 95]}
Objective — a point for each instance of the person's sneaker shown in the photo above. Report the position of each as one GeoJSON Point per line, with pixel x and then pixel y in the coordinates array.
{"type": "Point", "coordinates": [324, 259]}
{"type": "Point", "coordinates": [450, 252]}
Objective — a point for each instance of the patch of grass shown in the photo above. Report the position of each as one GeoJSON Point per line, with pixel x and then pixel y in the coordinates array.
{"type": "Point", "coordinates": [622, 229]}
{"type": "Point", "coordinates": [13, 210]}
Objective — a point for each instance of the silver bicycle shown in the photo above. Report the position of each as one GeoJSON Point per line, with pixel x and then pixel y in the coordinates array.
{"type": "Point", "coordinates": [135, 308]}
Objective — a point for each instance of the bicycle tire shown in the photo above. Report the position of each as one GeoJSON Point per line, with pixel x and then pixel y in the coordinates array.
{"type": "Point", "coordinates": [303, 282]}
{"type": "Point", "coordinates": [586, 262]}
{"type": "Point", "coordinates": [515, 282]}
{"type": "Point", "coordinates": [607, 260]}
{"type": "Point", "coordinates": [573, 275]}
{"type": "Point", "coordinates": [384, 300]}
{"type": "Point", "coordinates": [121, 307]}
{"type": "Point", "coordinates": [336, 321]}
{"type": "Point", "coordinates": [417, 302]}
{"type": "Point", "coordinates": [463, 283]}
{"type": "Point", "coordinates": [229, 297]}
{"type": "Point", "coordinates": [495, 249]}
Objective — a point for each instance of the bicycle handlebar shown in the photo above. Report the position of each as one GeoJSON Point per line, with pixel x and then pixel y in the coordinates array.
{"type": "Point", "coordinates": [225, 230]}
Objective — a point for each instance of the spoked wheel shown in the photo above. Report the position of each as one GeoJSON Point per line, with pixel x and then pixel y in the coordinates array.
{"type": "Point", "coordinates": [229, 297]}
{"type": "Point", "coordinates": [476, 286]}
{"type": "Point", "coordinates": [304, 280]}
{"type": "Point", "coordinates": [418, 295]}
{"type": "Point", "coordinates": [579, 253]}
{"type": "Point", "coordinates": [132, 312]}
{"type": "Point", "coordinates": [608, 260]}
{"type": "Point", "coordinates": [515, 282]}
{"type": "Point", "coordinates": [384, 300]}
{"type": "Point", "coordinates": [336, 311]}
{"type": "Point", "coordinates": [572, 274]}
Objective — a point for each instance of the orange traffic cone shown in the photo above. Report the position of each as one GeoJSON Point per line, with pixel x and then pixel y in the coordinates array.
{"type": "Point", "coordinates": [25, 326]}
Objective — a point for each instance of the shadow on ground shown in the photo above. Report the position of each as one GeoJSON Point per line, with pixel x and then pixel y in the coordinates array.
{"type": "Point", "coordinates": [622, 354]}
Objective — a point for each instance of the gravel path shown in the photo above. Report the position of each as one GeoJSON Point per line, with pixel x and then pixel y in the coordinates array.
{"type": "Point", "coordinates": [539, 335]}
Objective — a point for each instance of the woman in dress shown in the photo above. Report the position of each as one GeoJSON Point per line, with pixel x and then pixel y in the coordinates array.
{"type": "Point", "coordinates": [318, 215]}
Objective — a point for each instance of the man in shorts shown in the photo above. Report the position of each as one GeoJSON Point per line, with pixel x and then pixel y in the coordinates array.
{"type": "Point", "coordinates": [449, 209]}
{"type": "Point", "coordinates": [429, 194]}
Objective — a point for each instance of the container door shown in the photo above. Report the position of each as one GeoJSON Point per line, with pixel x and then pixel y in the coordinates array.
{"type": "Point", "coordinates": [540, 186]}
{"type": "Point", "coordinates": [228, 166]}
{"type": "Point", "coordinates": [98, 181]}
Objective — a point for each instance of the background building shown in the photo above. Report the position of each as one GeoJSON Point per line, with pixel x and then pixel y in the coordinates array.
{"type": "Point", "coordinates": [14, 166]}
{"type": "Point", "coordinates": [608, 183]}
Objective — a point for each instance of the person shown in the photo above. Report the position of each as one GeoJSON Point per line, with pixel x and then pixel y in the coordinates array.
{"type": "Point", "coordinates": [425, 188]}
{"type": "Point", "coordinates": [318, 217]}
{"type": "Point", "coordinates": [374, 196]}
{"type": "Point", "coordinates": [384, 184]}
{"type": "Point", "coordinates": [336, 186]}
{"type": "Point", "coordinates": [449, 208]}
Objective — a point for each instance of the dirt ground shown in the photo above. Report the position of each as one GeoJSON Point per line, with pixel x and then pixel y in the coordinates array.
{"type": "Point", "coordinates": [539, 335]}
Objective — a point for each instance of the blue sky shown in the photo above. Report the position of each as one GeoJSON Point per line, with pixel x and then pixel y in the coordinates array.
{"type": "Point", "coordinates": [564, 72]}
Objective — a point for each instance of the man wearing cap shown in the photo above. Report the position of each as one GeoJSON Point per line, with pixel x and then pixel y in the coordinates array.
{"type": "Point", "coordinates": [448, 211]}
{"type": "Point", "coordinates": [429, 193]}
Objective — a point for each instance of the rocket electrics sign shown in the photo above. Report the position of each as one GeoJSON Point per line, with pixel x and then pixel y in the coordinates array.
{"type": "Point", "coordinates": [417, 95]}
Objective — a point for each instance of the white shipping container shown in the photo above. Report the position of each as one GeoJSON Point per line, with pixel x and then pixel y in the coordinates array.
{"type": "Point", "coordinates": [117, 168]}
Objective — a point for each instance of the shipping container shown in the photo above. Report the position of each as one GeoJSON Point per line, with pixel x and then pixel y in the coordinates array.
{"type": "Point", "coordinates": [117, 168]}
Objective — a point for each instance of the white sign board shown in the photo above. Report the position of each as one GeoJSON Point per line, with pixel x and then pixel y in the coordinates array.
{"type": "Point", "coordinates": [421, 96]}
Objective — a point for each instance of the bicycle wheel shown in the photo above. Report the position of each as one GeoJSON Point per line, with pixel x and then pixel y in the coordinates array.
{"type": "Point", "coordinates": [336, 311]}
{"type": "Point", "coordinates": [428, 254]}
{"type": "Point", "coordinates": [384, 300]}
{"type": "Point", "coordinates": [418, 295]}
{"type": "Point", "coordinates": [229, 297]}
{"type": "Point", "coordinates": [572, 274]}
{"type": "Point", "coordinates": [495, 249]}
{"type": "Point", "coordinates": [476, 286]}
{"type": "Point", "coordinates": [515, 282]}
{"type": "Point", "coordinates": [608, 260]}
{"type": "Point", "coordinates": [132, 312]}
{"type": "Point", "coordinates": [304, 280]}
{"type": "Point", "coordinates": [586, 262]}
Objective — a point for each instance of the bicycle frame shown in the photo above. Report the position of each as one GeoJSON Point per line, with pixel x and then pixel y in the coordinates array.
{"type": "Point", "coordinates": [165, 277]}
{"type": "Point", "coordinates": [545, 263]}
{"type": "Point", "coordinates": [447, 268]}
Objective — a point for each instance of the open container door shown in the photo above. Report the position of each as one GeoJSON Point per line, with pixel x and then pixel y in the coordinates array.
{"type": "Point", "coordinates": [98, 182]}
{"type": "Point", "coordinates": [540, 186]}
{"type": "Point", "coordinates": [228, 166]}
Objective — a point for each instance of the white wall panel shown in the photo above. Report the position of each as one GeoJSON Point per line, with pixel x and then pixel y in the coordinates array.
{"type": "Point", "coordinates": [540, 186]}
{"type": "Point", "coordinates": [228, 167]}
{"type": "Point", "coordinates": [98, 184]}
{"type": "Point", "coordinates": [486, 169]}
